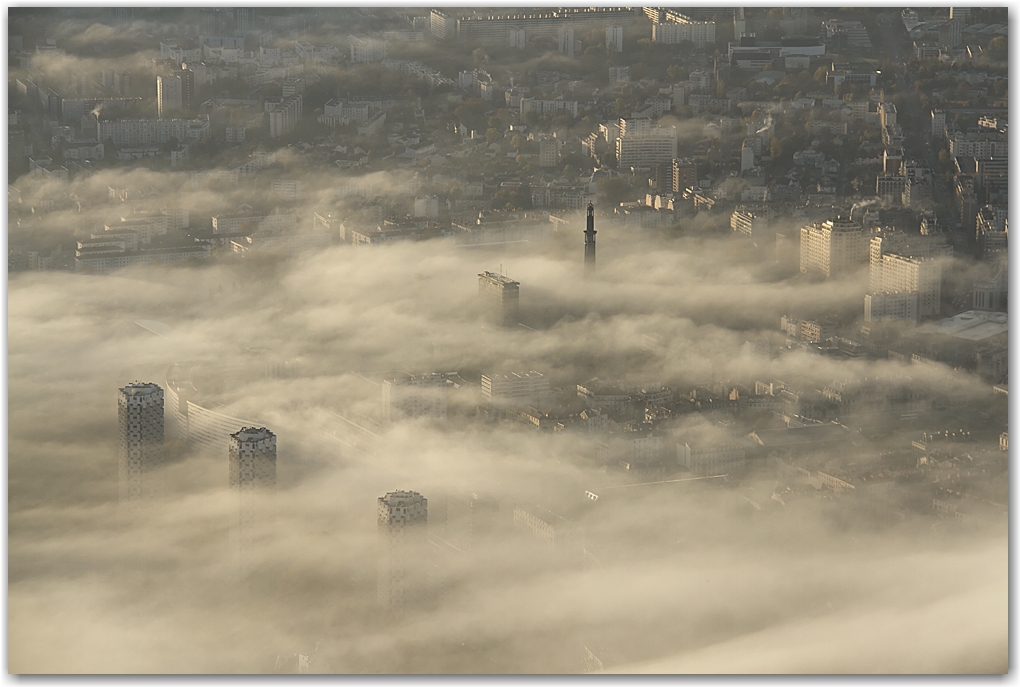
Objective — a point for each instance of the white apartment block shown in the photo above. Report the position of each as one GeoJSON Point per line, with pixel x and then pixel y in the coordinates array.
{"type": "Point", "coordinates": [276, 223]}
{"type": "Point", "coordinates": [680, 29]}
{"type": "Point", "coordinates": [907, 269]}
{"type": "Point", "coordinates": [891, 242]}
{"type": "Point", "coordinates": [922, 276]}
{"type": "Point", "coordinates": [514, 388]}
{"type": "Point", "coordinates": [833, 247]}
{"type": "Point", "coordinates": [749, 223]}
{"type": "Point", "coordinates": [979, 145]}
{"type": "Point", "coordinates": [285, 116]}
{"type": "Point", "coordinates": [169, 95]}
{"type": "Point", "coordinates": [891, 306]}
{"type": "Point", "coordinates": [142, 132]}
{"type": "Point", "coordinates": [640, 145]}
{"type": "Point", "coordinates": [549, 107]}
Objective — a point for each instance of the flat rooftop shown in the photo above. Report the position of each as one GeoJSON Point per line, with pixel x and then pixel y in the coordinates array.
{"type": "Point", "coordinates": [972, 325]}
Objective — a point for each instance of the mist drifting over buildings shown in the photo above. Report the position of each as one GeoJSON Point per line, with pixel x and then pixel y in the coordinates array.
{"type": "Point", "coordinates": [410, 424]}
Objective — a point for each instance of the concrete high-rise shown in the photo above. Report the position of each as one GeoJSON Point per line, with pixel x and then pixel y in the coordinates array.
{"type": "Point", "coordinates": [402, 518]}
{"type": "Point", "coordinates": [187, 77]}
{"type": "Point", "coordinates": [833, 247]}
{"type": "Point", "coordinates": [565, 36]}
{"type": "Point", "coordinates": [500, 297]}
{"type": "Point", "coordinates": [169, 96]}
{"type": "Point", "coordinates": [589, 242]}
{"type": "Point", "coordinates": [252, 474]}
{"type": "Point", "coordinates": [642, 145]}
{"type": "Point", "coordinates": [614, 39]}
{"type": "Point", "coordinates": [140, 414]}
{"type": "Point", "coordinates": [905, 279]}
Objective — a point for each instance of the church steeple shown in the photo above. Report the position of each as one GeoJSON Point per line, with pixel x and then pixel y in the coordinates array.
{"type": "Point", "coordinates": [589, 242]}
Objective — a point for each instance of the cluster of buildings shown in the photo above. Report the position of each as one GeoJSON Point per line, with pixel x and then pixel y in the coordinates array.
{"type": "Point", "coordinates": [251, 462]}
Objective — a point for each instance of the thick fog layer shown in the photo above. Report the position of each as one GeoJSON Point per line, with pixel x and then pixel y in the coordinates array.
{"type": "Point", "coordinates": [838, 554]}
{"type": "Point", "coordinates": [146, 590]}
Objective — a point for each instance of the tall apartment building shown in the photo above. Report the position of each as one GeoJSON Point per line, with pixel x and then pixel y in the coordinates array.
{"type": "Point", "coordinates": [905, 276]}
{"type": "Point", "coordinates": [992, 228]}
{"type": "Point", "coordinates": [614, 39]}
{"type": "Point", "coordinates": [285, 116]}
{"type": "Point", "coordinates": [442, 25]}
{"type": "Point", "coordinates": [751, 223]}
{"type": "Point", "coordinates": [833, 247]}
{"type": "Point", "coordinates": [169, 96]}
{"type": "Point", "coordinates": [500, 297]}
{"type": "Point", "coordinates": [516, 388]}
{"type": "Point", "coordinates": [402, 518]}
{"type": "Point", "coordinates": [140, 456]}
{"type": "Point", "coordinates": [251, 460]}
{"type": "Point", "coordinates": [676, 175]}
{"type": "Point", "coordinates": [938, 123]}
{"type": "Point", "coordinates": [187, 77]}
{"type": "Point", "coordinates": [641, 145]}
{"type": "Point", "coordinates": [567, 44]}
{"type": "Point", "coordinates": [411, 396]}
{"type": "Point", "coordinates": [549, 152]}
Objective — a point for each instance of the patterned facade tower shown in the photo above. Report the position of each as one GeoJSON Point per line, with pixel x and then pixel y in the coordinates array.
{"type": "Point", "coordinates": [589, 242]}
{"type": "Point", "coordinates": [402, 517]}
{"type": "Point", "coordinates": [252, 458]}
{"type": "Point", "coordinates": [140, 412]}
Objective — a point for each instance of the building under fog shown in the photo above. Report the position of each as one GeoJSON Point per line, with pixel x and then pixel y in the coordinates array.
{"type": "Point", "coordinates": [469, 519]}
{"type": "Point", "coordinates": [252, 475]}
{"type": "Point", "coordinates": [905, 279]}
{"type": "Point", "coordinates": [500, 297]}
{"type": "Point", "coordinates": [832, 248]}
{"type": "Point", "coordinates": [402, 518]}
{"type": "Point", "coordinates": [516, 388]}
{"type": "Point", "coordinates": [411, 396]}
{"type": "Point", "coordinates": [192, 420]}
{"type": "Point", "coordinates": [140, 413]}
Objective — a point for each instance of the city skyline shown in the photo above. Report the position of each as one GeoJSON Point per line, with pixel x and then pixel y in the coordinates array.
{"type": "Point", "coordinates": [339, 386]}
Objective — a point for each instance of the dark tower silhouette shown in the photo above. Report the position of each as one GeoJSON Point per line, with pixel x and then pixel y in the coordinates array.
{"type": "Point", "coordinates": [589, 242]}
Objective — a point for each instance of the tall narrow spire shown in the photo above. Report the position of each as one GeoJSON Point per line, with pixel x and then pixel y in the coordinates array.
{"type": "Point", "coordinates": [589, 242]}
